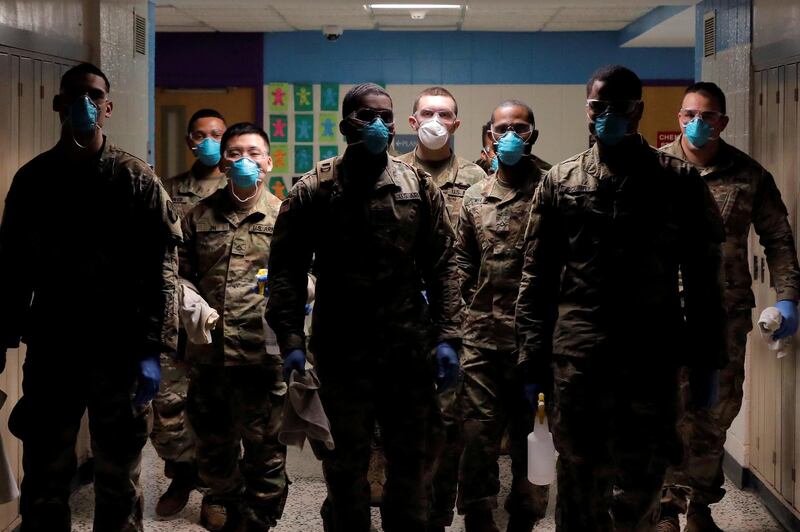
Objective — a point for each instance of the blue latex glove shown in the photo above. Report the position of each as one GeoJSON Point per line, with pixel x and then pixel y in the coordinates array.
{"type": "Point", "coordinates": [446, 366]}
{"type": "Point", "coordinates": [308, 309]}
{"type": "Point", "coordinates": [704, 386]}
{"type": "Point", "coordinates": [788, 310]}
{"type": "Point", "coordinates": [149, 380]}
{"type": "Point", "coordinates": [531, 392]}
{"type": "Point", "coordinates": [294, 360]}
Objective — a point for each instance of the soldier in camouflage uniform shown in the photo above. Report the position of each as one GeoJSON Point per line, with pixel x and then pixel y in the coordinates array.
{"type": "Point", "coordinates": [435, 119]}
{"type": "Point", "coordinates": [487, 160]}
{"type": "Point", "coordinates": [376, 229]}
{"type": "Point", "coordinates": [88, 272]}
{"type": "Point", "coordinates": [488, 251]}
{"type": "Point", "coordinates": [236, 390]}
{"type": "Point", "coordinates": [171, 436]}
{"type": "Point", "coordinates": [609, 231]}
{"type": "Point", "coordinates": [746, 195]}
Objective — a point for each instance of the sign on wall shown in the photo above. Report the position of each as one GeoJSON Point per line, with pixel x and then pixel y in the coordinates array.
{"type": "Point", "coordinates": [303, 126]}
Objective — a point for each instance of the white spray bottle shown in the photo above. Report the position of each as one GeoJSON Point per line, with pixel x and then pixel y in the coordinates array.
{"type": "Point", "coordinates": [541, 451]}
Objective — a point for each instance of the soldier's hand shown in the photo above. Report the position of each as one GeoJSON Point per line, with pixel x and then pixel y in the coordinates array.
{"type": "Point", "coordinates": [446, 366]}
{"type": "Point", "coordinates": [148, 381]}
{"type": "Point", "coordinates": [788, 310]}
{"type": "Point", "coordinates": [704, 387]}
{"type": "Point", "coordinates": [295, 360]}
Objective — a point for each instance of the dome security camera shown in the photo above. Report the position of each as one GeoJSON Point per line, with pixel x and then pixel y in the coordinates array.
{"type": "Point", "coordinates": [332, 33]}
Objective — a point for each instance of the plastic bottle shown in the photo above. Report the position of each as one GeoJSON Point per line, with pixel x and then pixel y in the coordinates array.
{"type": "Point", "coordinates": [262, 285]}
{"type": "Point", "coordinates": [541, 451]}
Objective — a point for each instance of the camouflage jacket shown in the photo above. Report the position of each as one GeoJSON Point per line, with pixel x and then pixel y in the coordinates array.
{"type": "Point", "coordinates": [373, 247]}
{"type": "Point", "coordinates": [453, 180]}
{"type": "Point", "coordinates": [87, 256]}
{"type": "Point", "coordinates": [221, 254]}
{"type": "Point", "coordinates": [489, 255]}
{"type": "Point", "coordinates": [186, 190]}
{"type": "Point", "coordinates": [746, 194]}
{"type": "Point", "coordinates": [603, 251]}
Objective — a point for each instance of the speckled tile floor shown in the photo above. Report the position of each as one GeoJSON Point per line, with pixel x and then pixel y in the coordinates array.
{"type": "Point", "coordinates": [740, 511]}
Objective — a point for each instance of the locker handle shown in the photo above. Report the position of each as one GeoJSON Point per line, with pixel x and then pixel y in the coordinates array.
{"type": "Point", "coordinates": [755, 268]}
{"type": "Point", "coordinates": [763, 267]}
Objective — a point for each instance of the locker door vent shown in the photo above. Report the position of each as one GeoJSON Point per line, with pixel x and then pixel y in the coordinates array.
{"type": "Point", "coordinates": [710, 34]}
{"type": "Point", "coordinates": [140, 34]}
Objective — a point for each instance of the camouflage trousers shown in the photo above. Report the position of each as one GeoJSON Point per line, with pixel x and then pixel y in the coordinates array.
{"type": "Point", "coordinates": [395, 388]}
{"type": "Point", "coordinates": [493, 399]}
{"type": "Point", "coordinates": [57, 390]}
{"type": "Point", "coordinates": [700, 476]}
{"type": "Point", "coordinates": [444, 455]}
{"type": "Point", "coordinates": [171, 436]}
{"type": "Point", "coordinates": [233, 407]}
{"type": "Point", "coordinates": [614, 429]}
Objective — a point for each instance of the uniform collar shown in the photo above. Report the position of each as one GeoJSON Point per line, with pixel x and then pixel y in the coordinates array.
{"type": "Point", "coordinates": [227, 209]}
{"type": "Point", "coordinates": [725, 159]}
{"type": "Point", "coordinates": [492, 189]}
{"type": "Point", "coordinates": [593, 166]}
{"type": "Point", "coordinates": [453, 165]}
{"type": "Point", "coordinates": [189, 184]}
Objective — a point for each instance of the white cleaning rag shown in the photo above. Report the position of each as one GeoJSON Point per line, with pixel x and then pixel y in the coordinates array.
{"type": "Point", "coordinates": [769, 322]}
{"type": "Point", "coordinates": [197, 316]}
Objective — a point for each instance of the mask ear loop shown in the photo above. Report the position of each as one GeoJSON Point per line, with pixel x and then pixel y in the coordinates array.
{"type": "Point", "coordinates": [248, 198]}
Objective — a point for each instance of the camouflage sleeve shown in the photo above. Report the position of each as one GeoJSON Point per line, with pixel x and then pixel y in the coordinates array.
{"type": "Point", "coordinates": [436, 258]}
{"type": "Point", "coordinates": [16, 285]}
{"type": "Point", "coordinates": [159, 267]}
{"type": "Point", "coordinates": [290, 257]}
{"type": "Point", "coordinates": [468, 254]}
{"type": "Point", "coordinates": [702, 233]}
{"type": "Point", "coordinates": [775, 234]}
{"type": "Point", "coordinates": [543, 260]}
{"type": "Point", "coordinates": [187, 257]}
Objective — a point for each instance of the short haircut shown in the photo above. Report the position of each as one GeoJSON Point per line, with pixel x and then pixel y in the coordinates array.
{"type": "Point", "coordinates": [514, 103]}
{"type": "Point", "coordinates": [239, 129]}
{"type": "Point", "coordinates": [711, 90]}
{"type": "Point", "coordinates": [618, 78]}
{"type": "Point", "coordinates": [485, 129]}
{"type": "Point", "coordinates": [81, 70]}
{"type": "Point", "coordinates": [204, 113]}
{"type": "Point", "coordinates": [352, 99]}
{"type": "Point", "coordinates": [435, 91]}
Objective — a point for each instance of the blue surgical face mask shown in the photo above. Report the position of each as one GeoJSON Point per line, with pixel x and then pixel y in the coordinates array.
{"type": "Point", "coordinates": [510, 148]}
{"type": "Point", "coordinates": [698, 132]}
{"type": "Point", "coordinates": [494, 164]}
{"type": "Point", "coordinates": [611, 128]}
{"type": "Point", "coordinates": [375, 136]}
{"type": "Point", "coordinates": [207, 152]}
{"type": "Point", "coordinates": [244, 173]}
{"type": "Point", "coordinates": [83, 116]}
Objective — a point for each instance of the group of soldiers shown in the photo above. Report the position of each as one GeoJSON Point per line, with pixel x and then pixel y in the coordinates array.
{"type": "Point", "coordinates": [448, 296]}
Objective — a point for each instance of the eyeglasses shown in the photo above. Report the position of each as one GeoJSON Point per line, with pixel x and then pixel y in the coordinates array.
{"type": "Point", "coordinates": [199, 136]}
{"type": "Point", "coordinates": [366, 115]}
{"type": "Point", "coordinates": [624, 107]}
{"type": "Point", "coordinates": [522, 129]}
{"type": "Point", "coordinates": [445, 115]}
{"type": "Point", "coordinates": [97, 96]}
{"type": "Point", "coordinates": [705, 116]}
{"type": "Point", "coordinates": [237, 153]}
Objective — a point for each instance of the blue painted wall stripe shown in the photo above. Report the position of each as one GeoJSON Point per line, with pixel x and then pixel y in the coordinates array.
{"type": "Point", "coordinates": [462, 57]}
{"type": "Point", "coordinates": [649, 21]}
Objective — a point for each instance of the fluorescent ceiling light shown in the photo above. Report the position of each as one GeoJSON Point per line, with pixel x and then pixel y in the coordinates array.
{"type": "Point", "coordinates": [413, 6]}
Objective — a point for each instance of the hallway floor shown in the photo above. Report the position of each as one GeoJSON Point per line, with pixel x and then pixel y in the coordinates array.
{"type": "Point", "coordinates": [740, 511]}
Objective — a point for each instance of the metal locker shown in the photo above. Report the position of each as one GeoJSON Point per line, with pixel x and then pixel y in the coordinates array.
{"type": "Point", "coordinates": [27, 143]}
{"type": "Point", "coordinates": [49, 118]}
{"type": "Point", "coordinates": [37, 107]}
